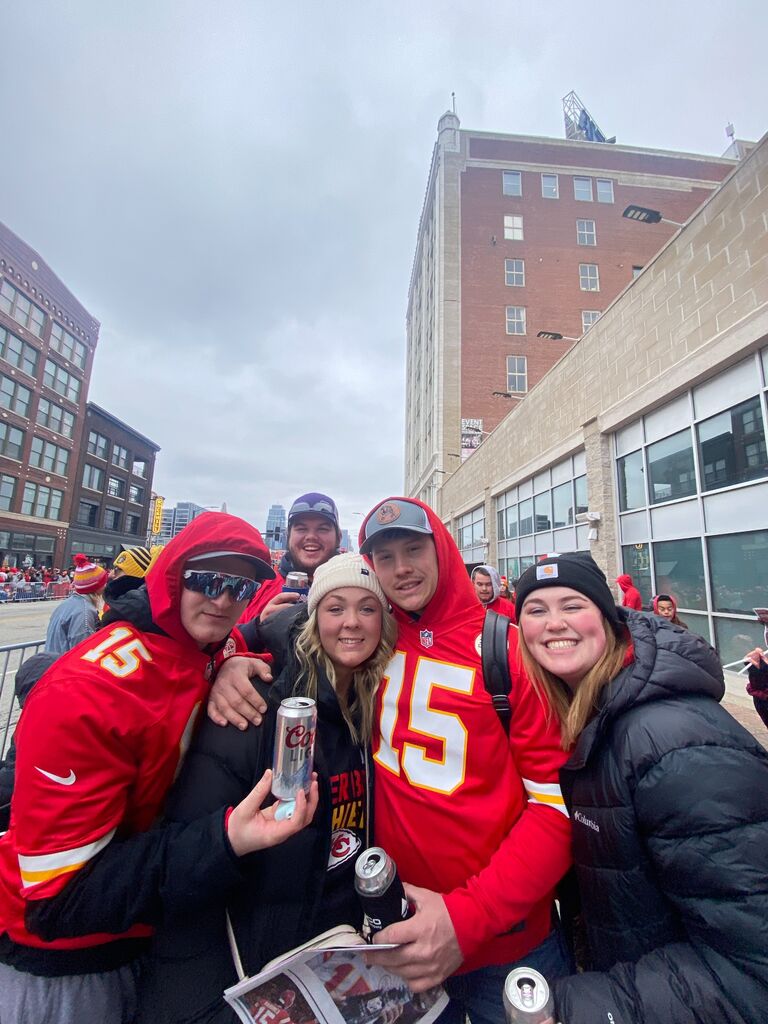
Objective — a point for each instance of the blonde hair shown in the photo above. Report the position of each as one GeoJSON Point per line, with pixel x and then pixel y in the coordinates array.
{"type": "Point", "coordinates": [358, 713]}
{"type": "Point", "coordinates": [575, 709]}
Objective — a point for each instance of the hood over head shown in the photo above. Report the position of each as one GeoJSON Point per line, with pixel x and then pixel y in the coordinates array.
{"type": "Point", "coordinates": [625, 582]}
{"type": "Point", "coordinates": [214, 534]}
{"type": "Point", "coordinates": [664, 597]}
{"type": "Point", "coordinates": [495, 578]}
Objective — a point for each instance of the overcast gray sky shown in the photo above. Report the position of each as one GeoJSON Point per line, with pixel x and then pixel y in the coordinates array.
{"type": "Point", "coordinates": [233, 190]}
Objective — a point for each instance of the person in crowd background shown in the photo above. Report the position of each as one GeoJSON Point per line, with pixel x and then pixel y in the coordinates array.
{"type": "Point", "coordinates": [487, 584]}
{"type": "Point", "coordinates": [334, 648]}
{"type": "Point", "coordinates": [757, 685]}
{"type": "Point", "coordinates": [631, 595]}
{"type": "Point", "coordinates": [666, 606]}
{"type": "Point", "coordinates": [128, 571]}
{"type": "Point", "coordinates": [78, 615]}
{"type": "Point", "coordinates": [667, 797]}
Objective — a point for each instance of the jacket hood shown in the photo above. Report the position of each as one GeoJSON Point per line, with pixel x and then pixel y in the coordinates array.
{"type": "Point", "coordinates": [664, 597]}
{"type": "Point", "coordinates": [669, 662]}
{"type": "Point", "coordinates": [625, 582]}
{"type": "Point", "coordinates": [454, 597]}
{"type": "Point", "coordinates": [209, 532]}
{"type": "Point", "coordinates": [495, 579]}
{"type": "Point", "coordinates": [30, 671]}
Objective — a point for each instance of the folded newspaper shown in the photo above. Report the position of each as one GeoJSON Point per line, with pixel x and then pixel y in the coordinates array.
{"type": "Point", "coordinates": [326, 981]}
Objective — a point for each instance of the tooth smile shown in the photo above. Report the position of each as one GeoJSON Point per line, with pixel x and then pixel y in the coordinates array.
{"type": "Point", "coordinates": [559, 645]}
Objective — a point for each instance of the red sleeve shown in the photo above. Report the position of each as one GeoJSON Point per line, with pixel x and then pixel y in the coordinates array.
{"type": "Point", "coordinates": [537, 851]}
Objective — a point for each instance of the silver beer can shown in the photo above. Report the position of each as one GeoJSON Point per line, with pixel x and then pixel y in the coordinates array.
{"type": "Point", "coordinates": [527, 999]}
{"type": "Point", "coordinates": [296, 583]}
{"type": "Point", "coordinates": [294, 747]}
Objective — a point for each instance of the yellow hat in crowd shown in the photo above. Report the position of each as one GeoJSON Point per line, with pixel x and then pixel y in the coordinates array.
{"type": "Point", "coordinates": [137, 561]}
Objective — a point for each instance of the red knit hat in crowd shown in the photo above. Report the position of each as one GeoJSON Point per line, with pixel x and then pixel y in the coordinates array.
{"type": "Point", "coordinates": [89, 577]}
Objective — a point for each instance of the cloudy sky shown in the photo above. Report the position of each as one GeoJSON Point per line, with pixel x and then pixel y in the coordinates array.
{"type": "Point", "coordinates": [233, 190]}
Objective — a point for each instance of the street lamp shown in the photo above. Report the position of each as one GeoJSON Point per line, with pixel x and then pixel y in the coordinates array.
{"type": "Point", "coordinates": [646, 216]}
{"type": "Point", "coordinates": [555, 336]}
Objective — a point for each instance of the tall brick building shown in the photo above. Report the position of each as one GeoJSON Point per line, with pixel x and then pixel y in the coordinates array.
{"type": "Point", "coordinates": [520, 235]}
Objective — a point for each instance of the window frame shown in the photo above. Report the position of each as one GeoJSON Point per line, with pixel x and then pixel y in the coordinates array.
{"type": "Point", "coordinates": [517, 372]}
{"type": "Point", "coordinates": [584, 233]}
{"type": "Point", "coordinates": [514, 273]}
{"type": "Point", "coordinates": [518, 319]}
{"type": "Point", "coordinates": [515, 176]}
{"type": "Point", "coordinates": [556, 177]}
{"type": "Point", "coordinates": [512, 228]}
{"type": "Point", "coordinates": [585, 275]}
{"type": "Point", "coordinates": [604, 181]}
{"type": "Point", "coordinates": [580, 179]}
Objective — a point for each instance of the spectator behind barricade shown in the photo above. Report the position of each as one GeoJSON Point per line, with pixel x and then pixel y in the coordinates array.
{"type": "Point", "coordinates": [632, 597]}
{"type": "Point", "coordinates": [665, 606]}
{"type": "Point", "coordinates": [487, 584]}
{"type": "Point", "coordinates": [27, 675]}
{"type": "Point", "coordinates": [313, 537]}
{"type": "Point", "coordinates": [667, 795]}
{"type": "Point", "coordinates": [78, 616]}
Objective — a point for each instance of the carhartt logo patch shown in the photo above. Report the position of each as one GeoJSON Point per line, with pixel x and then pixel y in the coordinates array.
{"type": "Point", "coordinates": [546, 572]}
{"type": "Point", "coordinates": [426, 637]}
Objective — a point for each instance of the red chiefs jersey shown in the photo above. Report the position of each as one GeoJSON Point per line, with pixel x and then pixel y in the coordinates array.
{"type": "Point", "coordinates": [503, 606]}
{"type": "Point", "coordinates": [462, 809]}
{"type": "Point", "coordinates": [102, 735]}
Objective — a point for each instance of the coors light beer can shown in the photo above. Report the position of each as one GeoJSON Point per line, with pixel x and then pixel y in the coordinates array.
{"type": "Point", "coordinates": [380, 890]}
{"type": "Point", "coordinates": [527, 999]}
{"type": "Point", "coordinates": [294, 747]}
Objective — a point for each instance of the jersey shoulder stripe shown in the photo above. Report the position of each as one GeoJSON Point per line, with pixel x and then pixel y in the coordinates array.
{"type": "Point", "coordinates": [42, 867]}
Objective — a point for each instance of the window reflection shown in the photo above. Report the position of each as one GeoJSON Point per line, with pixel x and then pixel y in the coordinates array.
{"type": "Point", "coordinates": [631, 486]}
{"type": "Point", "coordinates": [636, 561]}
{"type": "Point", "coordinates": [739, 568]}
{"type": "Point", "coordinates": [671, 472]}
{"type": "Point", "coordinates": [679, 566]}
{"type": "Point", "coordinates": [732, 446]}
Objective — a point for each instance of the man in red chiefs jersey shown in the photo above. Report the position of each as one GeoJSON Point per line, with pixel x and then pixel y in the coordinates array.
{"type": "Point", "coordinates": [487, 584]}
{"type": "Point", "coordinates": [474, 819]}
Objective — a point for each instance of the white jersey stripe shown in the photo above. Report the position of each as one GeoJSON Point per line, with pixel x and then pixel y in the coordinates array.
{"type": "Point", "coordinates": [547, 793]}
{"type": "Point", "coordinates": [64, 859]}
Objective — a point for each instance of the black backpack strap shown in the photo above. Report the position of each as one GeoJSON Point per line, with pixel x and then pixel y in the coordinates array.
{"type": "Point", "coordinates": [495, 662]}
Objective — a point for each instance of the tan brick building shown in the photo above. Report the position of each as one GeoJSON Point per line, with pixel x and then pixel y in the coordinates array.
{"type": "Point", "coordinates": [646, 443]}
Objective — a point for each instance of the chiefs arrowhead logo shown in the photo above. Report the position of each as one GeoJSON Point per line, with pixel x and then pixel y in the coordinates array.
{"type": "Point", "coordinates": [344, 844]}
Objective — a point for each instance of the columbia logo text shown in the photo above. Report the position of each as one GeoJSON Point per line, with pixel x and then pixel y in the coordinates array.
{"type": "Point", "coordinates": [584, 820]}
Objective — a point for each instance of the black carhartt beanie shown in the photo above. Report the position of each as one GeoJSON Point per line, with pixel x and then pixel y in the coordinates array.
{"type": "Point", "coordinates": [577, 571]}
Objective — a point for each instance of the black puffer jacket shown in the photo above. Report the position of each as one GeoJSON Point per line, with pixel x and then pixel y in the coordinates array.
{"type": "Point", "coordinates": [669, 801]}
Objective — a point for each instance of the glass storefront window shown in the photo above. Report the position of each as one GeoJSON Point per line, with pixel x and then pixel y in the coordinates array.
{"type": "Point", "coordinates": [732, 446]}
{"type": "Point", "coordinates": [526, 517]}
{"type": "Point", "coordinates": [636, 561]}
{"type": "Point", "coordinates": [679, 568]}
{"type": "Point", "coordinates": [562, 505]}
{"type": "Point", "coordinates": [734, 637]}
{"type": "Point", "coordinates": [698, 624]}
{"type": "Point", "coordinates": [580, 486]}
{"type": "Point", "coordinates": [631, 485]}
{"type": "Point", "coordinates": [671, 471]}
{"type": "Point", "coordinates": [542, 512]}
{"type": "Point", "coordinates": [739, 569]}
{"type": "Point", "coordinates": [512, 522]}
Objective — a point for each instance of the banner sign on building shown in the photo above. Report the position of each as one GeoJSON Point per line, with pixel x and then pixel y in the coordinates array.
{"type": "Point", "coordinates": [157, 515]}
{"type": "Point", "coordinates": [471, 437]}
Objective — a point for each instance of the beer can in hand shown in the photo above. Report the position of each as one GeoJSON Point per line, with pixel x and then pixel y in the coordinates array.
{"type": "Point", "coordinates": [380, 890]}
{"type": "Point", "coordinates": [297, 583]}
{"type": "Point", "coordinates": [527, 999]}
{"type": "Point", "coordinates": [294, 747]}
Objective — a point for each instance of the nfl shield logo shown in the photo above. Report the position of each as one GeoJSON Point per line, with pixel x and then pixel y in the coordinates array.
{"type": "Point", "coordinates": [426, 638]}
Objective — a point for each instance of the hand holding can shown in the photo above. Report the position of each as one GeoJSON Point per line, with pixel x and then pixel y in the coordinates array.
{"type": "Point", "coordinates": [294, 747]}
{"type": "Point", "coordinates": [381, 892]}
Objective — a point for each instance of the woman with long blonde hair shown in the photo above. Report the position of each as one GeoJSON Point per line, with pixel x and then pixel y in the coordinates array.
{"type": "Point", "coordinates": [667, 797]}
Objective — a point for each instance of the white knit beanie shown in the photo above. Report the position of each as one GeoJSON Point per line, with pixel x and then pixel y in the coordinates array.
{"type": "Point", "coordinates": [347, 570]}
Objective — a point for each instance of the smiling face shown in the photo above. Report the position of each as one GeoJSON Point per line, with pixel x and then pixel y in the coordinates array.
{"type": "Point", "coordinates": [349, 624]}
{"type": "Point", "coordinates": [209, 621]}
{"type": "Point", "coordinates": [407, 569]}
{"type": "Point", "coordinates": [312, 540]}
{"type": "Point", "coordinates": [564, 632]}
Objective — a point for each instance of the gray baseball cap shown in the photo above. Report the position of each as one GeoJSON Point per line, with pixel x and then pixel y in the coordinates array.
{"type": "Point", "coordinates": [394, 514]}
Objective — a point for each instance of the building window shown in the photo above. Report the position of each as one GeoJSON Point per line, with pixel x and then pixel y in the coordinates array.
{"type": "Point", "coordinates": [112, 518]}
{"type": "Point", "coordinates": [20, 309]}
{"type": "Point", "coordinates": [48, 456]}
{"type": "Point", "coordinates": [136, 494]}
{"type": "Point", "coordinates": [67, 346]}
{"type": "Point", "coordinates": [140, 468]}
{"type": "Point", "coordinates": [513, 228]}
{"type": "Point", "coordinates": [582, 189]}
{"type": "Point", "coordinates": [98, 445]}
{"type": "Point", "coordinates": [671, 472]}
{"type": "Point", "coordinates": [526, 517]}
{"type": "Point", "coordinates": [517, 373]}
{"type": "Point", "coordinates": [55, 418]}
{"type": "Point", "coordinates": [87, 514]}
{"type": "Point", "coordinates": [11, 441]}
{"type": "Point", "coordinates": [132, 524]}
{"type": "Point", "coordinates": [512, 183]}
{"type": "Point", "coordinates": [549, 186]}
{"type": "Point", "coordinates": [93, 477]}
{"type": "Point", "coordinates": [7, 491]}
{"type": "Point", "coordinates": [732, 446]}
{"type": "Point", "coordinates": [515, 319]}
{"type": "Point", "coordinates": [514, 273]}
{"type": "Point", "coordinates": [41, 501]}
{"type": "Point", "coordinates": [66, 384]}
{"type": "Point", "coordinates": [589, 277]}
{"type": "Point", "coordinates": [589, 317]}
{"type": "Point", "coordinates": [679, 568]}
{"type": "Point", "coordinates": [470, 528]}
{"type": "Point", "coordinates": [631, 481]}
{"type": "Point", "coordinates": [586, 233]}
{"type": "Point", "coordinates": [18, 353]}
{"type": "Point", "coordinates": [636, 271]}
{"type": "Point", "coordinates": [115, 487]}
{"type": "Point", "coordinates": [738, 565]}
{"type": "Point", "coordinates": [14, 396]}
{"type": "Point", "coordinates": [119, 456]}
{"type": "Point", "coordinates": [604, 190]}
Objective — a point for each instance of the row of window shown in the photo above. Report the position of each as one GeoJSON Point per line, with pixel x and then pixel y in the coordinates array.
{"type": "Point", "coordinates": [21, 309]}
{"type": "Point", "coordinates": [43, 454]}
{"type": "Point", "coordinates": [543, 512]}
{"type": "Point", "coordinates": [516, 319]}
{"type": "Point", "coordinates": [37, 500]}
{"type": "Point", "coordinates": [93, 479]}
{"type": "Point", "coordinates": [17, 398]}
{"type": "Point", "coordinates": [24, 357]}
{"type": "Point", "coordinates": [584, 188]}
{"type": "Point", "coordinates": [98, 445]}
{"type": "Point", "coordinates": [88, 515]}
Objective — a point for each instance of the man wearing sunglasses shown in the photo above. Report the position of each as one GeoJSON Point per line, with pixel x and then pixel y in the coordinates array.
{"type": "Point", "coordinates": [99, 743]}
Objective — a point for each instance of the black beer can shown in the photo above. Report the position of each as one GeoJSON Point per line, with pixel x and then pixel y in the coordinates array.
{"type": "Point", "coordinates": [380, 890]}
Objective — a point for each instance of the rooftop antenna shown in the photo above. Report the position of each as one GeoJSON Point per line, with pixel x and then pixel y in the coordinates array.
{"type": "Point", "coordinates": [579, 123]}
{"type": "Point", "coordinates": [453, 101]}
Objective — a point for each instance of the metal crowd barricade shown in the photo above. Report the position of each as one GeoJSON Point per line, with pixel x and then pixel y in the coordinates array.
{"type": "Point", "coordinates": [13, 592]}
{"type": "Point", "coordinates": [12, 657]}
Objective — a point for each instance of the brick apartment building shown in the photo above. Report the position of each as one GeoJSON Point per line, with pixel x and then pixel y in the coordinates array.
{"type": "Point", "coordinates": [112, 488]}
{"type": "Point", "coordinates": [47, 344]}
{"type": "Point", "coordinates": [520, 235]}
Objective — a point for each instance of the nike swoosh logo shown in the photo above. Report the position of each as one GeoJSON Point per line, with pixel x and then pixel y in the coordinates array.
{"type": "Point", "coordinates": [63, 780]}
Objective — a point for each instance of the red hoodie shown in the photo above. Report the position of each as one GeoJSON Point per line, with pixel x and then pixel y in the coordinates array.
{"type": "Point", "coordinates": [463, 810]}
{"type": "Point", "coordinates": [102, 736]}
{"type": "Point", "coordinates": [632, 598]}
